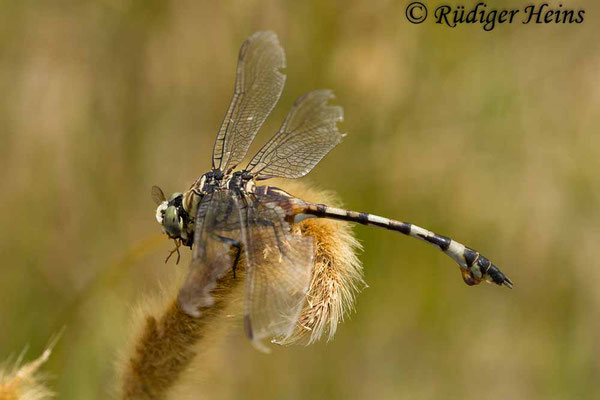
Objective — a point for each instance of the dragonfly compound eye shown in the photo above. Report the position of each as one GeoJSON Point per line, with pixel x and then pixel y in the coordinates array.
{"type": "Point", "coordinates": [174, 196]}
{"type": "Point", "coordinates": [172, 222]}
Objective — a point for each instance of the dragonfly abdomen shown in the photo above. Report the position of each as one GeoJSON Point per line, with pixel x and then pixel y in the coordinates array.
{"type": "Point", "coordinates": [474, 266]}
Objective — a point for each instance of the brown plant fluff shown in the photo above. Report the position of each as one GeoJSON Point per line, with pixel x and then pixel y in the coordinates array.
{"type": "Point", "coordinates": [25, 382]}
{"type": "Point", "coordinates": [337, 273]}
{"type": "Point", "coordinates": [172, 350]}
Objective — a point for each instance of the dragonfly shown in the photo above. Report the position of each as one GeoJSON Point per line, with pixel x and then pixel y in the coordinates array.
{"type": "Point", "coordinates": [225, 216]}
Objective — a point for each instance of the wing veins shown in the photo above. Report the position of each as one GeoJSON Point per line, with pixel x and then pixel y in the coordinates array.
{"type": "Point", "coordinates": [307, 134]}
{"type": "Point", "coordinates": [259, 82]}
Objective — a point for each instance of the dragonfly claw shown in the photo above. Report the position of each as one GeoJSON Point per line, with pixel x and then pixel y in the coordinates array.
{"type": "Point", "coordinates": [496, 276]}
{"type": "Point", "coordinates": [473, 275]}
{"type": "Point", "coordinates": [508, 283]}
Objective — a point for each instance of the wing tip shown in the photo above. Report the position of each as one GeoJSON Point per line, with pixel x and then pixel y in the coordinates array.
{"type": "Point", "coordinates": [256, 342]}
{"type": "Point", "coordinates": [267, 37]}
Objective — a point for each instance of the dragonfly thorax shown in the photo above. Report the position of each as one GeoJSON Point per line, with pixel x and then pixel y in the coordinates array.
{"type": "Point", "coordinates": [209, 182]}
{"type": "Point", "coordinates": [240, 181]}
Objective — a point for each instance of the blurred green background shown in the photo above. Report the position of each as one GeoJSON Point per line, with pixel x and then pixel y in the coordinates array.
{"type": "Point", "coordinates": [489, 137]}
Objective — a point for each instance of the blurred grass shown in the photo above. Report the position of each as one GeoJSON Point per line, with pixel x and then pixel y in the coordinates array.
{"type": "Point", "coordinates": [491, 137]}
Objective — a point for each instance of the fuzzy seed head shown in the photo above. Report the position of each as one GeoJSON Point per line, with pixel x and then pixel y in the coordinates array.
{"type": "Point", "coordinates": [337, 273]}
{"type": "Point", "coordinates": [24, 382]}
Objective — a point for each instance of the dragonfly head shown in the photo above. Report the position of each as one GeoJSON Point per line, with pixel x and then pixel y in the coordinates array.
{"type": "Point", "coordinates": [170, 214]}
{"type": "Point", "coordinates": [173, 214]}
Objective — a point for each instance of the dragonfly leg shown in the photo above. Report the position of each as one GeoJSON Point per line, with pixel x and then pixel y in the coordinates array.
{"type": "Point", "coordinates": [175, 250]}
{"type": "Point", "coordinates": [238, 250]}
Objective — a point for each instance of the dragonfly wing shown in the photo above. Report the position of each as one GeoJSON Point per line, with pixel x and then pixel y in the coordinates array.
{"type": "Point", "coordinates": [278, 263]}
{"type": "Point", "coordinates": [308, 133]}
{"type": "Point", "coordinates": [157, 195]}
{"type": "Point", "coordinates": [279, 267]}
{"type": "Point", "coordinates": [217, 225]}
{"type": "Point", "coordinates": [258, 85]}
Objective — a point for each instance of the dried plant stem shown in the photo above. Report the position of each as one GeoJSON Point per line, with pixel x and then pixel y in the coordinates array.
{"type": "Point", "coordinates": [167, 345]}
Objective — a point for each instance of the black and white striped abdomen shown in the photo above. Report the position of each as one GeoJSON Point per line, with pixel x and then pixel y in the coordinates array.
{"type": "Point", "coordinates": [475, 267]}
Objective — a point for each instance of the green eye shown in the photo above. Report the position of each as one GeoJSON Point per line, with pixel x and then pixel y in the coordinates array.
{"type": "Point", "coordinates": [171, 222]}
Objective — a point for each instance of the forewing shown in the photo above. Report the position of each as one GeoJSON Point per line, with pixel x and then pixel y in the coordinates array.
{"type": "Point", "coordinates": [279, 267]}
{"type": "Point", "coordinates": [308, 133]}
{"type": "Point", "coordinates": [217, 224]}
{"type": "Point", "coordinates": [258, 85]}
